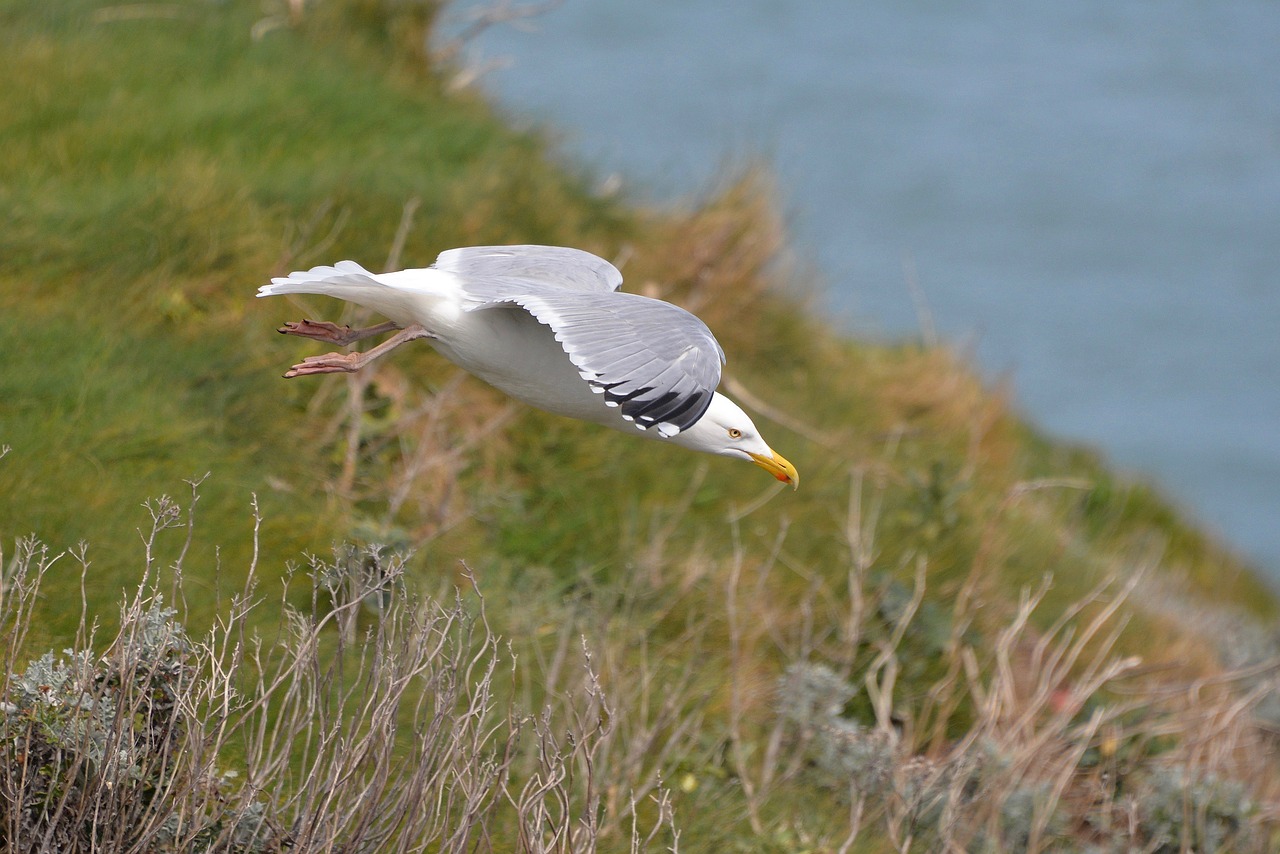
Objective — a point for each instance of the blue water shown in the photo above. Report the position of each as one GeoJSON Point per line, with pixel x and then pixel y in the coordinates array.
{"type": "Point", "coordinates": [1088, 191]}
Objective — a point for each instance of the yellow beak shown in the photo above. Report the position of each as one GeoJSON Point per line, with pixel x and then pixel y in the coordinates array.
{"type": "Point", "coordinates": [777, 466]}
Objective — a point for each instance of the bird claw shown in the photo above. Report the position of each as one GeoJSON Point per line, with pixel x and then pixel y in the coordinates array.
{"type": "Point", "coordinates": [329, 363]}
{"type": "Point", "coordinates": [320, 330]}
{"type": "Point", "coordinates": [349, 363]}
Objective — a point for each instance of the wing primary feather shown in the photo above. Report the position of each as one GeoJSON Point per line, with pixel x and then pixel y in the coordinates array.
{"type": "Point", "coordinates": [655, 362]}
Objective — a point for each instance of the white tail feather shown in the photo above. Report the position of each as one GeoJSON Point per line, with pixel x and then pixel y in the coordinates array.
{"type": "Point", "coordinates": [387, 294]}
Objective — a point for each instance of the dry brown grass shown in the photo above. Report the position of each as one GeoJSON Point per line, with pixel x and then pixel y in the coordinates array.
{"type": "Point", "coordinates": [1033, 724]}
{"type": "Point", "coordinates": [715, 258]}
{"type": "Point", "coordinates": [372, 721]}
{"type": "Point", "coordinates": [379, 718]}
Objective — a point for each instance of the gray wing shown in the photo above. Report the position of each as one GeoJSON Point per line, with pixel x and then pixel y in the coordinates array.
{"type": "Point", "coordinates": [557, 266]}
{"type": "Point", "coordinates": [657, 363]}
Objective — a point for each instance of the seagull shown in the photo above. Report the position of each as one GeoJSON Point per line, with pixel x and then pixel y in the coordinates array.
{"type": "Point", "coordinates": [548, 326]}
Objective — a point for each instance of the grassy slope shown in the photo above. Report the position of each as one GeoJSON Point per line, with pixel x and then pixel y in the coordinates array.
{"type": "Point", "coordinates": [156, 170]}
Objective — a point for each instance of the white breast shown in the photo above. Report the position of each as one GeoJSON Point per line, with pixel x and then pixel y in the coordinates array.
{"type": "Point", "coordinates": [510, 350]}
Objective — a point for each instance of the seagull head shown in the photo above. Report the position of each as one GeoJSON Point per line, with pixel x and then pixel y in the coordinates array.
{"type": "Point", "coordinates": [726, 430]}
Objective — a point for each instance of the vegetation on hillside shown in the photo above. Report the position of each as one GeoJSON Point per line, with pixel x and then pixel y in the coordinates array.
{"type": "Point", "coordinates": [532, 634]}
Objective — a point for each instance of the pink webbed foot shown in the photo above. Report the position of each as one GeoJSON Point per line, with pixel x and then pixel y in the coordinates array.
{"type": "Point", "coordinates": [329, 363]}
{"type": "Point", "coordinates": [323, 330]}
{"type": "Point", "coordinates": [347, 363]}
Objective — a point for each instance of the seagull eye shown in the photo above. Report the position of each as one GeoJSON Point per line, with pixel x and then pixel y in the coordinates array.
{"type": "Point", "coordinates": [735, 433]}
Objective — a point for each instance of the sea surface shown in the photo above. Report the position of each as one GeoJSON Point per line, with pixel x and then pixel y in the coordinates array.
{"type": "Point", "coordinates": [1086, 193]}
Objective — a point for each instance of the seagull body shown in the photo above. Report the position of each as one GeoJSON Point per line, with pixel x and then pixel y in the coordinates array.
{"type": "Point", "coordinates": [548, 326]}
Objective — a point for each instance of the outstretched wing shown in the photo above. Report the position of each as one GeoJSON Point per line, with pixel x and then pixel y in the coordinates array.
{"type": "Point", "coordinates": [556, 266]}
{"type": "Point", "coordinates": [656, 362]}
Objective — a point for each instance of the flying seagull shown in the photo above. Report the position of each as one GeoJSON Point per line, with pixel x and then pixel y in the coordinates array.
{"type": "Point", "coordinates": [548, 326]}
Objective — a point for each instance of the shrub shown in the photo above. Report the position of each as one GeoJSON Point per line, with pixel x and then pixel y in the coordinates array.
{"type": "Point", "coordinates": [372, 723]}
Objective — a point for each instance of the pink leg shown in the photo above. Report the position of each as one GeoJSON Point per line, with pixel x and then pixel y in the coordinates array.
{"type": "Point", "coordinates": [348, 363]}
{"type": "Point", "coordinates": [323, 330]}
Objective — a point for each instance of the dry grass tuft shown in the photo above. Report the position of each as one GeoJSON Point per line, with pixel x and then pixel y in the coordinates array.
{"type": "Point", "coordinates": [372, 721]}
{"type": "Point", "coordinates": [714, 260]}
{"type": "Point", "coordinates": [704, 694]}
{"type": "Point", "coordinates": [1025, 738]}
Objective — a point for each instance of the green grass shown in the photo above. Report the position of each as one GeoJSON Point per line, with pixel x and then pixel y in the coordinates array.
{"type": "Point", "coordinates": [158, 169]}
